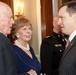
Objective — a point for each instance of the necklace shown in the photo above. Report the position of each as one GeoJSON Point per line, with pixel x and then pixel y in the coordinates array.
{"type": "Point", "coordinates": [22, 47]}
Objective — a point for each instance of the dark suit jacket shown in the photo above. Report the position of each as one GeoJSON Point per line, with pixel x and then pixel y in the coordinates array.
{"type": "Point", "coordinates": [50, 54]}
{"type": "Point", "coordinates": [24, 74]}
{"type": "Point", "coordinates": [7, 63]}
{"type": "Point", "coordinates": [68, 61]}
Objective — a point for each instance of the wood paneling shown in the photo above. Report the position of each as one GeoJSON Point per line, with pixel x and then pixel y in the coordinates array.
{"type": "Point", "coordinates": [46, 17]}
{"type": "Point", "coordinates": [9, 2]}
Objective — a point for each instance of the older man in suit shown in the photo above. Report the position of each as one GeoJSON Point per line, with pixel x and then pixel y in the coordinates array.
{"type": "Point", "coordinates": [67, 22]}
{"type": "Point", "coordinates": [7, 62]}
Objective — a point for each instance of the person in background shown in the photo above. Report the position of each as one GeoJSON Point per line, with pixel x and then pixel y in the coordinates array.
{"type": "Point", "coordinates": [23, 52]}
{"type": "Point", "coordinates": [52, 48]}
{"type": "Point", "coordinates": [7, 62]}
{"type": "Point", "coordinates": [67, 22]}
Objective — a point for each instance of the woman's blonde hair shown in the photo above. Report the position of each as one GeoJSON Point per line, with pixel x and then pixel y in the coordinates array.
{"type": "Point", "coordinates": [20, 22]}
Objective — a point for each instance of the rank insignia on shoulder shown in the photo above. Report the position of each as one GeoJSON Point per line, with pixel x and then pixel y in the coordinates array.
{"type": "Point", "coordinates": [47, 36]}
{"type": "Point", "coordinates": [58, 35]}
{"type": "Point", "coordinates": [57, 45]}
{"type": "Point", "coordinates": [63, 40]}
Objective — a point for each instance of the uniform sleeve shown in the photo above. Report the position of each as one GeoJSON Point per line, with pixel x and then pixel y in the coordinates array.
{"type": "Point", "coordinates": [46, 57]}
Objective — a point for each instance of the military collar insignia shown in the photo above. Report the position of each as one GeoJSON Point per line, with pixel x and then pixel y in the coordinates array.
{"type": "Point", "coordinates": [58, 35]}
{"type": "Point", "coordinates": [57, 45]}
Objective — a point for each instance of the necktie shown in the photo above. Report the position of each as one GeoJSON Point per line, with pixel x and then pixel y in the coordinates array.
{"type": "Point", "coordinates": [67, 43]}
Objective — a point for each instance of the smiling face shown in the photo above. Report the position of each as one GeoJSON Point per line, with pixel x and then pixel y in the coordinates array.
{"type": "Point", "coordinates": [67, 22]}
{"type": "Point", "coordinates": [24, 33]}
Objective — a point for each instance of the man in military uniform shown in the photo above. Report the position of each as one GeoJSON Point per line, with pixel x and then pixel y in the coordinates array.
{"type": "Point", "coordinates": [51, 50]}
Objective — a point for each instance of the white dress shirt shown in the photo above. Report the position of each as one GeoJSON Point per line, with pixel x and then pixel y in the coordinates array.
{"type": "Point", "coordinates": [72, 35]}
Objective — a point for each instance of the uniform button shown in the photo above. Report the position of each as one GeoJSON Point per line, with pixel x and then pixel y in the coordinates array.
{"type": "Point", "coordinates": [60, 50]}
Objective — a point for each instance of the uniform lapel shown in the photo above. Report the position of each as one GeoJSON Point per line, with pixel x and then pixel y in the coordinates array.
{"type": "Point", "coordinates": [68, 49]}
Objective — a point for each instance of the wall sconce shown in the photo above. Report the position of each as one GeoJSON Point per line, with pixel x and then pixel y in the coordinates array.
{"type": "Point", "coordinates": [22, 7]}
{"type": "Point", "coordinates": [20, 12]}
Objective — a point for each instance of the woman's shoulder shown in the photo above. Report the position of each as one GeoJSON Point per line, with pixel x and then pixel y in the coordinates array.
{"type": "Point", "coordinates": [14, 46]}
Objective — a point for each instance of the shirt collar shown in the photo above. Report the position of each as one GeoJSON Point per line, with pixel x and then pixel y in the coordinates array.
{"type": "Point", "coordinates": [72, 35]}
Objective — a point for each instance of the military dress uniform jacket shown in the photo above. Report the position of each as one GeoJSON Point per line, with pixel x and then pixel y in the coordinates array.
{"type": "Point", "coordinates": [51, 52]}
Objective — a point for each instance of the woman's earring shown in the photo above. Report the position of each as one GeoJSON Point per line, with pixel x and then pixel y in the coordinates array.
{"type": "Point", "coordinates": [18, 36]}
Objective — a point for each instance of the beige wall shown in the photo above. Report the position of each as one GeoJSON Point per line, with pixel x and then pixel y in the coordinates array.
{"type": "Point", "coordinates": [55, 6]}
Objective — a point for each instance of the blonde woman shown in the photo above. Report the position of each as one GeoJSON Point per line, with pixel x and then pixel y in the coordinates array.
{"type": "Point", "coordinates": [24, 54]}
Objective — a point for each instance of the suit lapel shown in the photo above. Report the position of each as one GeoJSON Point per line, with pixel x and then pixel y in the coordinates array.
{"type": "Point", "coordinates": [68, 49]}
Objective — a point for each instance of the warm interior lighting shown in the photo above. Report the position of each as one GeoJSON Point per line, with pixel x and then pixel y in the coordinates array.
{"type": "Point", "coordinates": [18, 7]}
{"type": "Point", "coordinates": [22, 7]}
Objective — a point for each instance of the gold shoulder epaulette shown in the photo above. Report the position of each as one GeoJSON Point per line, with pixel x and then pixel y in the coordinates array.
{"type": "Point", "coordinates": [47, 36]}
